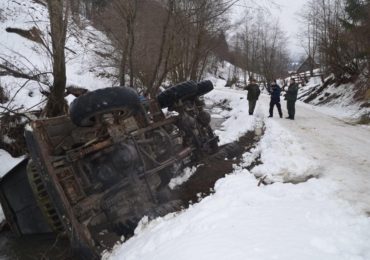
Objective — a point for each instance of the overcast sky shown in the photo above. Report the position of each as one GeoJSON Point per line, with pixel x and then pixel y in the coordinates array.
{"type": "Point", "coordinates": [287, 11]}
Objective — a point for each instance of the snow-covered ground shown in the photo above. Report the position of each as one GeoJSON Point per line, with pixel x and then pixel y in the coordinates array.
{"type": "Point", "coordinates": [322, 218]}
{"type": "Point", "coordinates": [83, 64]}
{"type": "Point", "coordinates": [231, 129]}
{"type": "Point", "coordinates": [342, 106]}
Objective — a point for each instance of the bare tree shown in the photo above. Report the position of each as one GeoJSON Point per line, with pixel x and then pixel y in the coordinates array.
{"type": "Point", "coordinates": [263, 49]}
{"type": "Point", "coordinates": [310, 32]}
{"type": "Point", "coordinates": [165, 39]}
{"type": "Point", "coordinates": [336, 35]}
{"type": "Point", "coordinates": [58, 16]}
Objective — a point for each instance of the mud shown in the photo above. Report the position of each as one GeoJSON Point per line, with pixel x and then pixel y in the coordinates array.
{"type": "Point", "coordinates": [203, 180]}
{"type": "Point", "coordinates": [34, 247]}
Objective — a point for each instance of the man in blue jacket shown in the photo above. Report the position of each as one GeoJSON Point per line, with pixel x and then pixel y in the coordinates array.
{"type": "Point", "coordinates": [275, 91]}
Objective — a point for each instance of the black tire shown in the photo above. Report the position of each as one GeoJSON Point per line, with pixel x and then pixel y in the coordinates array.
{"type": "Point", "coordinates": [204, 87]}
{"type": "Point", "coordinates": [178, 92]}
{"type": "Point", "coordinates": [84, 109]}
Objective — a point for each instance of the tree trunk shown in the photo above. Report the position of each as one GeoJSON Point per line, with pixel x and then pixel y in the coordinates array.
{"type": "Point", "coordinates": [122, 68]}
{"type": "Point", "coordinates": [58, 15]}
{"type": "Point", "coordinates": [132, 41]}
{"type": "Point", "coordinates": [152, 85]}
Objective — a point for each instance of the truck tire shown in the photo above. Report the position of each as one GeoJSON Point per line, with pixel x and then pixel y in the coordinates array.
{"type": "Point", "coordinates": [84, 109]}
{"type": "Point", "coordinates": [178, 92]}
{"type": "Point", "coordinates": [204, 87]}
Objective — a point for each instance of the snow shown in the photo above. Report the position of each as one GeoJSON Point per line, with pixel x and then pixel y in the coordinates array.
{"type": "Point", "coordinates": [322, 218]}
{"type": "Point", "coordinates": [7, 162]}
{"type": "Point", "coordinates": [186, 174]}
{"type": "Point", "coordinates": [83, 64]}
{"type": "Point", "coordinates": [283, 157]}
{"type": "Point", "coordinates": [280, 221]}
{"type": "Point", "coordinates": [342, 107]}
{"type": "Point", "coordinates": [236, 123]}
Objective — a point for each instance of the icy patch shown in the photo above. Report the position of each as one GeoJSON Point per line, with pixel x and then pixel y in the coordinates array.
{"type": "Point", "coordinates": [283, 157]}
{"type": "Point", "coordinates": [184, 177]}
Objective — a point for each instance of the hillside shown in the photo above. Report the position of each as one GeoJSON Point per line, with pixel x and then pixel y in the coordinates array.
{"type": "Point", "coordinates": [349, 101]}
{"type": "Point", "coordinates": [84, 65]}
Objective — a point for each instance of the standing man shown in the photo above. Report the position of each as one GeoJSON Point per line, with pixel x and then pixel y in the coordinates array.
{"type": "Point", "coordinates": [253, 94]}
{"type": "Point", "coordinates": [291, 98]}
{"type": "Point", "coordinates": [275, 91]}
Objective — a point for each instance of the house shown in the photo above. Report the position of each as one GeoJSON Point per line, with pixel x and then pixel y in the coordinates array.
{"type": "Point", "coordinates": [308, 65]}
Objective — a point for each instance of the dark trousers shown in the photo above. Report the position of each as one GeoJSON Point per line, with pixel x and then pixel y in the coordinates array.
{"type": "Point", "coordinates": [290, 104]}
{"type": "Point", "coordinates": [252, 105]}
{"type": "Point", "coordinates": [272, 104]}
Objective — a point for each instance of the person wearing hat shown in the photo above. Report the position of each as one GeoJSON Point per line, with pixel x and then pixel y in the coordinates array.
{"type": "Point", "coordinates": [275, 91]}
{"type": "Point", "coordinates": [253, 95]}
{"type": "Point", "coordinates": [291, 98]}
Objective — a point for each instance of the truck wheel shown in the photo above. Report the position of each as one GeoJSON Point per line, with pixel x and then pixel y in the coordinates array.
{"type": "Point", "coordinates": [85, 109]}
{"type": "Point", "coordinates": [178, 92]}
{"type": "Point", "coordinates": [204, 87]}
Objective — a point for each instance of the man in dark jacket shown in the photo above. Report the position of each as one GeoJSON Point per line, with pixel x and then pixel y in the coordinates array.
{"type": "Point", "coordinates": [275, 91]}
{"type": "Point", "coordinates": [291, 98]}
{"type": "Point", "coordinates": [253, 94]}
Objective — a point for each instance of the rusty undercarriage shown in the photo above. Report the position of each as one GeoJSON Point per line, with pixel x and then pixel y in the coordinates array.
{"type": "Point", "coordinates": [101, 169]}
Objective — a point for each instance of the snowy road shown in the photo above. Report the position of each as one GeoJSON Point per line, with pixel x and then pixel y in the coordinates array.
{"type": "Point", "coordinates": [321, 218]}
{"type": "Point", "coordinates": [342, 149]}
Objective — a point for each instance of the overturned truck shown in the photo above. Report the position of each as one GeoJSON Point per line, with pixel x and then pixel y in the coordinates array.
{"type": "Point", "coordinates": [96, 172]}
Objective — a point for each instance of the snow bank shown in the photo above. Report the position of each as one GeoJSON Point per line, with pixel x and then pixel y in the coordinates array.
{"type": "Point", "coordinates": [283, 157]}
{"type": "Point", "coordinates": [336, 101]}
{"type": "Point", "coordinates": [243, 221]}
